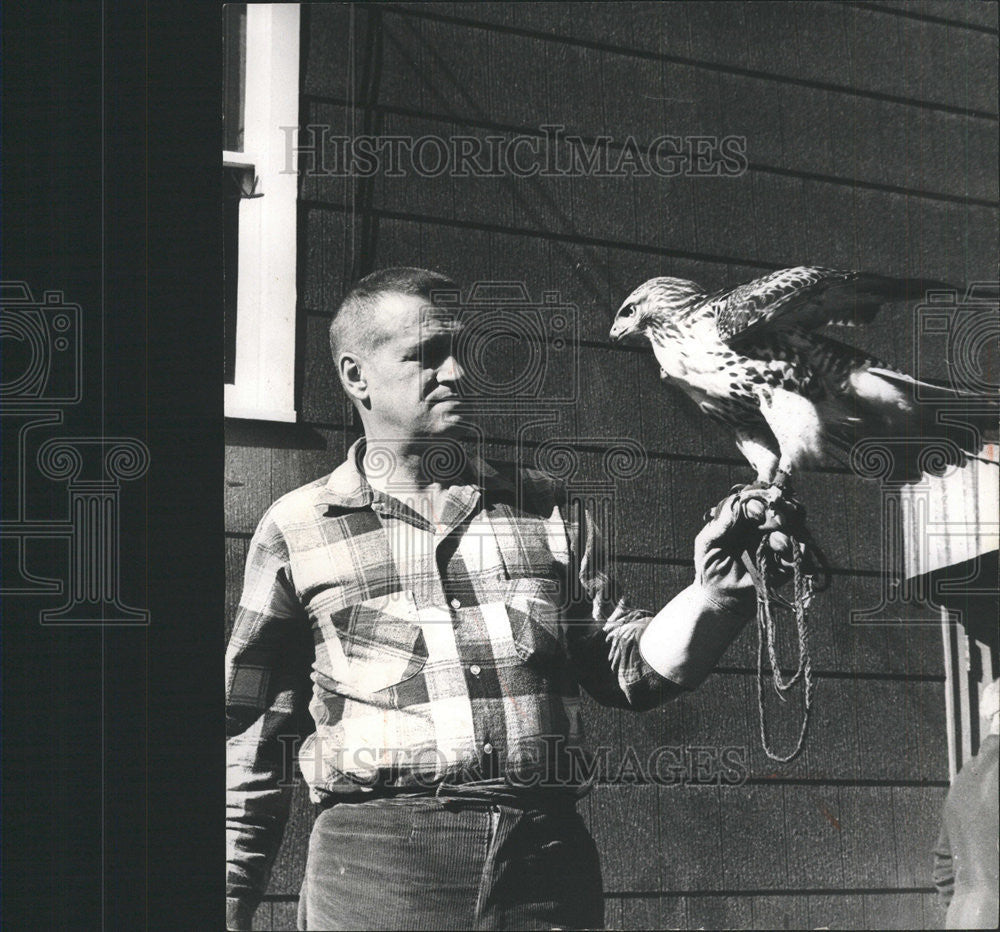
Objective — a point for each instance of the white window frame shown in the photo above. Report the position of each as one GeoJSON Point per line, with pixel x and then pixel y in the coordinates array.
{"type": "Point", "coordinates": [264, 384]}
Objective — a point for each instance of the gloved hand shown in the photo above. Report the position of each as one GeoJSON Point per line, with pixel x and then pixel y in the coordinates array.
{"type": "Point", "coordinates": [726, 548]}
{"type": "Point", "coordinates": [735, 528]}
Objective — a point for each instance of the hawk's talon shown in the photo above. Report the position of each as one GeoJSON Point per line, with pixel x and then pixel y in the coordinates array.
{"type": "Point", "coordinates": [783, 482]}
{"type": "Point", "coordinates": [762, 491]}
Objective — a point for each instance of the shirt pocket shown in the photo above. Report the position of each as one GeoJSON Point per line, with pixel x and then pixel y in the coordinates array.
{"type": "Point", "coordinates": [382, 644]}
{"type": "Point", "coordinates": [532, 605]}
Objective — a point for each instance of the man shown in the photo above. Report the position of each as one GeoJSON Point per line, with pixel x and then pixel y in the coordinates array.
{"type": "Point", "coordinates": [966, 871]}
{"type": "Point", "coordinates": [448, 613]}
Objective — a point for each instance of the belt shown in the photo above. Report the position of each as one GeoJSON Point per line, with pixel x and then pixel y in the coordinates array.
{"type": "Point", "coordinates": [475, 795]}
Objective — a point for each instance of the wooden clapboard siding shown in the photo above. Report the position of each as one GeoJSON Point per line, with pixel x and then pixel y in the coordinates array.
{"type": "Point", "coordinates": [821, 43]}
{"type": "Point", "coordinates": [871, 143]}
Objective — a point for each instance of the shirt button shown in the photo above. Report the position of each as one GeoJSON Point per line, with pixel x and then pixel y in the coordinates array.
{"type": "Point", "coordinates": [475, 669]}
{"type": "Point", "coordinates": [455, 603]}
{"type": "Point", "coordinates": [487, 748]}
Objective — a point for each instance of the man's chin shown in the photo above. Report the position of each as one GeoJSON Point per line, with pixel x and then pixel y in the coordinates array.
{"type": "Point", "coordinates": [459, 426]}
{"type": "Point", "coordinates": [454, 423]}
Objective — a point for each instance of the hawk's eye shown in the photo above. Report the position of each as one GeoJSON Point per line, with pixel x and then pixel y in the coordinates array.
{"type": "Point", "coordinates": [627, 311]}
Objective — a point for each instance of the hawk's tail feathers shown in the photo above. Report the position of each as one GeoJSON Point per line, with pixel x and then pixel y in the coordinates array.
{"type": "Point", "coordinates": [942, 409]}
{"type": "Point", "coordinates": [931, 389]}
{"type": "Point", "coordinates": [885, 403]}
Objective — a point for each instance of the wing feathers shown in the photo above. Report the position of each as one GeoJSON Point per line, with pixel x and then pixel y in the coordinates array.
{"type": "Point", "coordinates": [809, 297]}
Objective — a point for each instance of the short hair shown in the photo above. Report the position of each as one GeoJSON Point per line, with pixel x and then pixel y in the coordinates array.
{"type": "Point", "coordinates": [352, 318]}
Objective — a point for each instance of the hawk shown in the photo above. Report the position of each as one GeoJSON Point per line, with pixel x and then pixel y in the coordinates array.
{"type": "Point", "coordinates": [752, 357]}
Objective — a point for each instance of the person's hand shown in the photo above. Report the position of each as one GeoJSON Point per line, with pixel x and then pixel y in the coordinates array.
{"type": "Point", "coordinates": [735, 527]}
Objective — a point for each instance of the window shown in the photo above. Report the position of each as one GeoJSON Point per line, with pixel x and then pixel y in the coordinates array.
{"type": "Point", "coordinates": [260, 95]}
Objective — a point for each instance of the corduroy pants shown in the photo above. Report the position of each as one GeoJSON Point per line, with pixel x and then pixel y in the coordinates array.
{"type": "Point", "coordinates": [450, 863]}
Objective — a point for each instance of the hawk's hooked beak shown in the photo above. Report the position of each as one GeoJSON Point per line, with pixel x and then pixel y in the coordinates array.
{"type": "Point", "coordinates": [623, 332]}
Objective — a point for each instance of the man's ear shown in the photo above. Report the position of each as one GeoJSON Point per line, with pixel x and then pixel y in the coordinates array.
{"type": "Point", "coordinates": [351, 376]}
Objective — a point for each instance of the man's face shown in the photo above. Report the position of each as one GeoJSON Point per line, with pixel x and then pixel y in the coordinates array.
{"type": "Point", "coordinates": [413, 377]}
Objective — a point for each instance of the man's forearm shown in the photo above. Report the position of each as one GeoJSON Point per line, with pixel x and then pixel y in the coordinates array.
{"type": "Point", "coordinates": [686, 639]}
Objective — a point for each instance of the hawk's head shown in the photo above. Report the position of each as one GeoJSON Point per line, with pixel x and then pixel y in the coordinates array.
{"type": "Point", "coordinates": [653, 303]}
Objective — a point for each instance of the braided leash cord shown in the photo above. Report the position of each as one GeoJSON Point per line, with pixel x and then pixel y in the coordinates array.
{"type": "Point", "coordinates": [766, 635]}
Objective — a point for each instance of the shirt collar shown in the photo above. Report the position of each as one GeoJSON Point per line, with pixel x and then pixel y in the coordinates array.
{"type": "Point", "coordinates": [348, 487]}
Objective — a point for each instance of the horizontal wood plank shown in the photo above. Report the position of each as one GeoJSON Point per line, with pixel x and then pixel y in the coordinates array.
{"type": "Point", "coordinates": [917, 821]}
{"type": "Point", "coordinates": [247, 486]}
{"type": "Point", "coordinates": [623, 821]}
{"type": "Point", "coordinates": [719, 912]}
{"type": "Point", "coordinates": [820, 43]}
{"type": "Point", "coordinates": [894, 911]}
{"type": "Point", "coordinates": [972, 12]}
{"type": "Point", "coordinates": [780, 912]}
{"type": "Point", "coordinates": [663, 912]}
{"type": "Point", "coordinates": [691, 837]}
{"type": "Point", "coordinates": [843, 911]}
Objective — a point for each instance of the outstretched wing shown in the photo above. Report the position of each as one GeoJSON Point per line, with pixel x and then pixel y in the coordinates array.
{"type": "Point", "coordinates": [809, 297]}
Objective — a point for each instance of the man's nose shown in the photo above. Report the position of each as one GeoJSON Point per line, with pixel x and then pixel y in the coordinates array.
{"type": "Point", "coordinates": [451, 370]}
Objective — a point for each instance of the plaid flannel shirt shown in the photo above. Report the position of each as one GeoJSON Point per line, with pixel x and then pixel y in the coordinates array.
{"type": "Point", "coordinates": [423, 653]}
